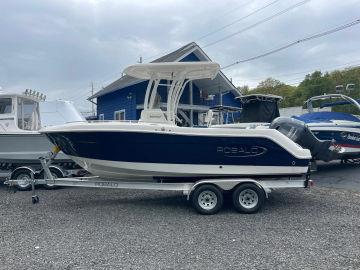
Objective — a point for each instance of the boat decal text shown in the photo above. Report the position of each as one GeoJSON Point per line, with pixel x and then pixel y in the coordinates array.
{"type": "Point", "coordinates": [350, 136]}
{"type": "Point", "coordinates": [241, 151]}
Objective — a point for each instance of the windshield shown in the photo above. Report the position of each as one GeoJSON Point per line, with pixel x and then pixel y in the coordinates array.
{"type": "Point", "coordinates": [5, 105]}
{"type": "Point", "coordinates": [28, 114]}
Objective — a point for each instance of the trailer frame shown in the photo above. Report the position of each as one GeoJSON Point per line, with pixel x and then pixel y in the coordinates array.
{"type": "Point", "coordinates": [187, 188]}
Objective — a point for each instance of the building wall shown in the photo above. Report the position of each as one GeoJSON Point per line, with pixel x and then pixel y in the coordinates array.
{"type": "Point", "coordinates": [118, 100]}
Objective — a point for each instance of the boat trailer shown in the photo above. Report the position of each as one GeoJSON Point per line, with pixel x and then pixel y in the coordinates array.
{"type": "Point", "coordinates": [206, 195]}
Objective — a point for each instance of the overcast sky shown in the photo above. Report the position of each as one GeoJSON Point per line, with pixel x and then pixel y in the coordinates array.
{"type": "Point", "coordinates": [60, 46]}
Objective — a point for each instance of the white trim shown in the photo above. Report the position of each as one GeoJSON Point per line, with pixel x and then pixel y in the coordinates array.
{"type": "Point", "coordinates": [120, 111]}
{"type": "Point", "coordinates": [351, 149]}
{"type": "Point", "coordinates": [196, 48]}
{"type": "Point", "coordinates": [139, 170]}
{"type": "Point", "coordinates": [181, 106]}
{"type": "Point", "coordinates": [334, 128]}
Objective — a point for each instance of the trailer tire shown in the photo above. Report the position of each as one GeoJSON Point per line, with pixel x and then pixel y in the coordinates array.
{"type": "Point", "coordinates": [248, 198]}
{"type": "Point", "coordinates": [56, 173]}
{"type": "Point", "coordinates": [22, 174]}
{"type": "Point", "coordinates": [207, 199]}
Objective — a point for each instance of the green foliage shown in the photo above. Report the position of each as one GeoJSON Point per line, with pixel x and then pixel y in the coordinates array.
{"type": "Point", "coordinates": [244, 89]}
{"type": "Point", "coordinates": [314, 84]}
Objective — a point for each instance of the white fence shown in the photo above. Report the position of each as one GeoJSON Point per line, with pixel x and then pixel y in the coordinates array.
{"type": "Point", "coordinates": [290, 111]}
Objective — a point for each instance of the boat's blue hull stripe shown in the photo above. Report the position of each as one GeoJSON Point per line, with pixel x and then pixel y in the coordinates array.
{"type": "Point", "coordinates": [175, 149]}
{"type": "Point", "coordinates": [348, 139]}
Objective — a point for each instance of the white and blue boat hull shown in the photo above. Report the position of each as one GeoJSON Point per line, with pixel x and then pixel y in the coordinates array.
{"type": "Point", "coordinates": [158, 151]}
{"type": "Point", "coordinates": [346, 137]}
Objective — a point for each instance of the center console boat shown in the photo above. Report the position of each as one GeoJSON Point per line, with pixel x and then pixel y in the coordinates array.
{"type": "Point", "coordinates": [155, 153]}
{"type": "Point", "coordinates": [156, 148]}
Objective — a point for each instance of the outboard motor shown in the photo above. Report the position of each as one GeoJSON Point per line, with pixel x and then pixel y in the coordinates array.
{"type": "Point", "coordinates": [298, 132]}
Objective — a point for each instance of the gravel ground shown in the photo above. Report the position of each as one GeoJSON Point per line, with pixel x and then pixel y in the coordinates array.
{"type": "Point", "coordinates": [116, 229]}
{"type": "Point", "coordinates": [337, 175]}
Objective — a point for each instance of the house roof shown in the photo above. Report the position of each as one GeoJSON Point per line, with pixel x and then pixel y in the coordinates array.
{"type": "Point", "coordinates": [174, 56]}
{"type": "Point", "coordinates": [178, 54]}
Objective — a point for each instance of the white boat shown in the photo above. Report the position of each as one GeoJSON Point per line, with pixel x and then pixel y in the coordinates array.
{"type": "Point", "coordinates": [155, 148]}
{"type": "Point", "coordinates": [21, 143]}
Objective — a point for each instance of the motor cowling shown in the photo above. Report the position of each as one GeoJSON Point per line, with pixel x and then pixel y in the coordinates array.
{"type": "Point", "coordinates": [299, 132]}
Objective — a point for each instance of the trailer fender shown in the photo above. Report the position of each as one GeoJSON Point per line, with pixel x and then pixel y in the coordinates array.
{"type": "Point", "coordinates": [23, 168]}
{"type": "Point", "coordinates": [54, 167]}
{"type": "Point", "coordinates": [58, 168]}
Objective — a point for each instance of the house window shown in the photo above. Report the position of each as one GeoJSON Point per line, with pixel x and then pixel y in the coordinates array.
{"type": "Point", "coordinates": [119, 115]}
{"type": "Point", "coordinates": [101, 117]}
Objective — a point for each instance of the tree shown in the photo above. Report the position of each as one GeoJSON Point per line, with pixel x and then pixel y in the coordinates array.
{"type": "Point", "coordinates": [314, 84]}
{"type": "Point", "coordinates": [270, 83]}
{"type": "Point", "coordinates": [243, 89]}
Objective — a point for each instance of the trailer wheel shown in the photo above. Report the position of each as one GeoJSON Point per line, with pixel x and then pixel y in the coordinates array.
{"type": "Point", "coordinates": [23, 176]}
{"type": "Point", "coordinates": [207, 199]}
{"type": "Point", "coordinates": [56, 173]}
{"type": "Point", "coordinates": [248, 198]}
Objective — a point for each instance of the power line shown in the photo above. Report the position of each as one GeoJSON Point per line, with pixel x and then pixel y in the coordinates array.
{"type": "Point", "coordinates": [232, 10]}
{"type": "Point", "coordinates": [314, 36]}
{"type": "Point", "coordinates": [304, 72]}
{"type": "Point", "coordinates": [258, 23]}
{"type": "Point", "coordinates": [237, 20]}
{"type": "Point", "coordinates": [77, 97]}
{"type": "Point", "coordinates": [222, 27]}
{"type": "Point", "coordinates": [81, 92]}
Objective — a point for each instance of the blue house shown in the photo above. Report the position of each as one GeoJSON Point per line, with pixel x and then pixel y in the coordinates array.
{"type": "Point", "coordinates": [124, 98]}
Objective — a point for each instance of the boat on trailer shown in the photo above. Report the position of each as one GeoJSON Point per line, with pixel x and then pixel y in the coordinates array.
{"type": "Point", "coordinates": [342, 128]}
{"type": "Point", "coordinates": [156, 148]}
{"type": "Point", "coordinates": [155, 153]}
{"type": "Point", "coordinates": [21, 143]}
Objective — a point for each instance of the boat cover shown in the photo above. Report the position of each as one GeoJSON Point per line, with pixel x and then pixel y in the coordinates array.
{"type": "Point", "coordinates": [336, 103]}
{"type": "Point", "coordinates": [259, 111]}
{"type": "Point", "coordinates": [321, 117]}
